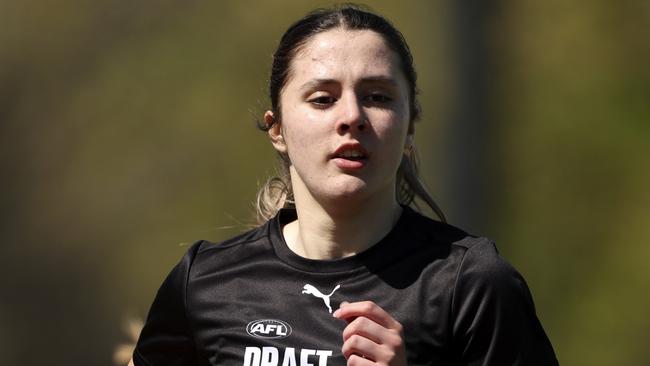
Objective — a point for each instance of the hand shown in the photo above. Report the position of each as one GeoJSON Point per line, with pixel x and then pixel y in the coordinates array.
{"type": "Point", "coordinates": [372, 335]}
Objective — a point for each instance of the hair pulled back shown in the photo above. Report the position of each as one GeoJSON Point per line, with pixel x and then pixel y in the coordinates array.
{"type": "Point", "coordinates": [277, 192]}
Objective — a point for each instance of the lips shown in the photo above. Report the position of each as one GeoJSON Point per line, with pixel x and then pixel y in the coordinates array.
{"type": "Point", "coordinates": [350, 156]}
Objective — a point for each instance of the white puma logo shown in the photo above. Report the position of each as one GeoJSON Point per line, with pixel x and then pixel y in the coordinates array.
{"type": "Point", "coordinates": [309, 289]}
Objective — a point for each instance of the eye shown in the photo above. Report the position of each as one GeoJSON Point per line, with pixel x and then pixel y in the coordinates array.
{"type": "Point", "coordinates": [378, 98]}
{"type": "Point", "coordinates": [322, 101]}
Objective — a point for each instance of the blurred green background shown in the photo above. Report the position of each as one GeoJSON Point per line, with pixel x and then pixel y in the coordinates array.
{"type": "Point", "coordinates": [127, 130]}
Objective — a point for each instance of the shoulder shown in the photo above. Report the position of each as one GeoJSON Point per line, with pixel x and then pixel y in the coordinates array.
{"type": "Point", "coordinates": [486, 283]}
{"type": "Point", "coordinates": [474, 261]}
{"type": "Point", "coordinates": [477, 294]}
{"type": "Point", "coordinates": [233, 250]}
{"type": "Point", "coordinates": [202, 252]}
{"type": "Point", "coordinates": [249, 236]}
{"type": "Point", "coordinates": [483, 268]}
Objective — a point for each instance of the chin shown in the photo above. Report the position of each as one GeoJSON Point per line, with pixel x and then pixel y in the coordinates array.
{"type": "Point", "coordinates": [347, 191]}
{"type": "Point", "coordinates": [343, 191]}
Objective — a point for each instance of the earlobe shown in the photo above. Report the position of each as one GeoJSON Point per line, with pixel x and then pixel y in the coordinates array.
{"type": "Point", "coordinates": [275, 132]}
{"type": "Point", "coordinates": [410, 139]}
{"type": "Point", "coordinates": [408, 145]}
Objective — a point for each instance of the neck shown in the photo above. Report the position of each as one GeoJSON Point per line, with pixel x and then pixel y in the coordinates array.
{"type": "Point", "coordinates": [340, 229]}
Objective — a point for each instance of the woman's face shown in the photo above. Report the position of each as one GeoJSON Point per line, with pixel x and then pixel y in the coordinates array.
{"type": "Point", "coordinates": [344, 117]}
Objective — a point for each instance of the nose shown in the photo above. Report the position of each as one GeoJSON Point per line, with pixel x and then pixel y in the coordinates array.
{"type": "Point", "coordinates": [352, 116]}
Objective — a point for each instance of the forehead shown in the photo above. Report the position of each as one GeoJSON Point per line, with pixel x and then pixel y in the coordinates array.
{"type": "Point", "coordinates": [341, 53]}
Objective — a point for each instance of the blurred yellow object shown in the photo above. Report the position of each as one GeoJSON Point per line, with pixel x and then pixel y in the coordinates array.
{"type": "Point", "coordinates": [123, 352]}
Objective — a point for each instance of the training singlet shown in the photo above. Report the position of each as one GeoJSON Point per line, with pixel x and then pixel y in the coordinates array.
{"type": "Point", "coordinates": [251, 301]}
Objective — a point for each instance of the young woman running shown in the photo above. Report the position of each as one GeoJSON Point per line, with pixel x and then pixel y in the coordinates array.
{"type": "Point", "coordinates": [343, 271]}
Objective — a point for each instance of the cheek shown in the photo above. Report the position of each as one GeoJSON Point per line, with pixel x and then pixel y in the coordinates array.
{"type": "Point", "coordinates": [393, 144]}
{"type": "Point", "coordinates": [393, 130]}
{"type": "Point", "coordinates": [304, 135]}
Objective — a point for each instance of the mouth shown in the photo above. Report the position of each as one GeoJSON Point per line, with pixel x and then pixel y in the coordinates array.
{"type": "Point", "coordinates": [350, 156]}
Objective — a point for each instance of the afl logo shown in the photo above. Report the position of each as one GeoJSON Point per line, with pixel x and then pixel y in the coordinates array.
{"type": "Point", "coordinates": [268, 328]}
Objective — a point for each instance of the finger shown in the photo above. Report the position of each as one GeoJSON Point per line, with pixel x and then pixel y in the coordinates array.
{"type": "Point", "coordinates": [360, 360]}
{"type": "Point", "coordinates": [369, 310]}
{"type": "Point", "coordinates": [366, 328]}
{"type": "Point", "coordinates": [360, 346]}
{"type": "Point", "coordinates": [344, 303]}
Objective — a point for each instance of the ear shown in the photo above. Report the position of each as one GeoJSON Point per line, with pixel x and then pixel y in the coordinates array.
{"type": "Point", "coordinates": [275, 132]}
{"type": "Point", "coordinates": [408, 145]}
{"type": "Point", "coordinates": [410, 138]}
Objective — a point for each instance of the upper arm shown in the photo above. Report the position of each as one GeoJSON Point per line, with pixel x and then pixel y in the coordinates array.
{"type": "Point", "coordinates": [166, 338]}
{"type": "Point", "coordinates": [494, 319]}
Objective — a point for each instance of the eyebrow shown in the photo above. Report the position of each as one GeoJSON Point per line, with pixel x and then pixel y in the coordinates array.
{"type": "Point", "coordinates": [316, 82]}
{"type": "Point", "coordinates": [367, 80]}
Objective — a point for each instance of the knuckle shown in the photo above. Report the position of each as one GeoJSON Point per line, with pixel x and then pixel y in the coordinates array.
{"type": "Point", "coordinates": [348, 332]}
{"type": "Point", "coordinates": [361, 322]}
{"type": "Point", "coordinates": [354, 360]}
{"type": "Point", "coordinates": [398, 342]}
{"type": "Point", "coordinates": [395, 341]}
{"type": "Point", "coordinates": [346, 350]}
{"type": "Point", "coordinates": [367, 306]}
{"type": "Point", "coordinates": [391, 354]}
{"type": "Point", "coordinates": [354, 325]}
{"type": "Point", "coordinates": [399, 327]}
{"type": "Point", "coordinates": [357, 326]}
{"type": "Point", "coordinates": [354, 340]}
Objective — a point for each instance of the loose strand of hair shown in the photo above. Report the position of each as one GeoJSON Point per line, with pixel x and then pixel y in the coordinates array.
{"type": "Point", "coordinates": [410, 185]}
